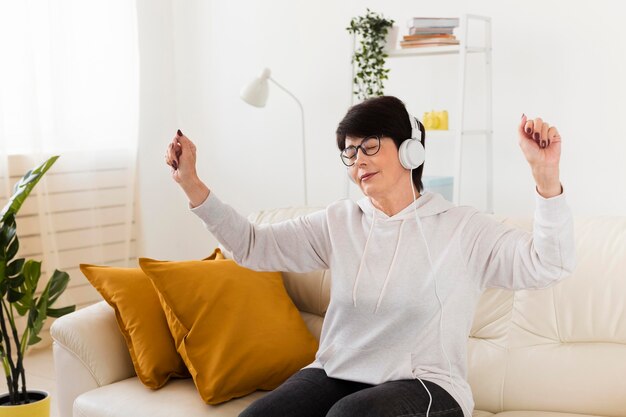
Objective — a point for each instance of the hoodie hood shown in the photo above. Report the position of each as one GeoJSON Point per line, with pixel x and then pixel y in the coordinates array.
{"type": "Point", "coordinates": [428, 204]}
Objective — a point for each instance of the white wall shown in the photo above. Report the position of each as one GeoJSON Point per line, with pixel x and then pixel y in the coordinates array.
{"type": "Point", "coordinates": [168, 71]}
{"type": "Point", "coordinates": [561, 61]}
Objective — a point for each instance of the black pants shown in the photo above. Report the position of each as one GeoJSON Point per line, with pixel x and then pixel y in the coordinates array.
{"type": "Point", "coordinates": [311, 393]}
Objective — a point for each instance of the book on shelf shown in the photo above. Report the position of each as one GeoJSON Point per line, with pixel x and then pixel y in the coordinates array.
{"type": "Point", "coordinates": [423, 22]}
{"type": "Point", "coordinates": [430, 30]}
{"type": "Point", "coordinates": [428, 36]}
{"type": "Point", "coordinates": [440, 40]}
{"type": "Point", "coordinates": [423, 45]}
{"type": "Point", "coordinates": [429, 42]}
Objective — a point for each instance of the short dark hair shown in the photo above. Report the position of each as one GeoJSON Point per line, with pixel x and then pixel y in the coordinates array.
{"type": "Point", "coordinates": [384, 116]}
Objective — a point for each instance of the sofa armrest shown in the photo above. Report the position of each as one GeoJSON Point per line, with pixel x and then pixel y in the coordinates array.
{"type": "Point", "coordinates": [89, 352]}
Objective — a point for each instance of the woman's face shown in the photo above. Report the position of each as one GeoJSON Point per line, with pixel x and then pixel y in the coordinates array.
{"type": "Point", "coordinates": [381, 174]}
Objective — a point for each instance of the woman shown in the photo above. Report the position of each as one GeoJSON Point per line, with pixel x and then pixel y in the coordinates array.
{"type": "Point", "coordinates": [401, 259]}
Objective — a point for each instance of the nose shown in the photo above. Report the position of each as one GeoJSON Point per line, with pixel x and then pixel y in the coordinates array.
{"type": "Point", "coordinates": [356, 157]}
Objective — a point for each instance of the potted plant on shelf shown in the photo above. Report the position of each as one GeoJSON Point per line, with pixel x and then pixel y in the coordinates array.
{"type": "Point", "coordinates": [18, 282]}
{"type": "Point", "coordinates": [371, 31]}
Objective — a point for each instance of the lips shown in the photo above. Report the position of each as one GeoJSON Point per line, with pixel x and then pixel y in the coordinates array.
{"type": "Point", "coordinates": [366, 176]}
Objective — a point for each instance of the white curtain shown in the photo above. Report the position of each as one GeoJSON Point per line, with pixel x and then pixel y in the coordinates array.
{"type": "Point", "coordinates": [69, 86]}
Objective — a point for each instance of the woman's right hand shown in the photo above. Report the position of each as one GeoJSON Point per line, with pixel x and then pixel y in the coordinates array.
{"type": "Point", "coordinates": [181, 157]}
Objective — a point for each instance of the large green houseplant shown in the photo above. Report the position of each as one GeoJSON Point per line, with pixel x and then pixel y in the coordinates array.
{"type": "Point", "coordinates": [18, 284]}
{"type": "Point", "coordinates": [371, 31]}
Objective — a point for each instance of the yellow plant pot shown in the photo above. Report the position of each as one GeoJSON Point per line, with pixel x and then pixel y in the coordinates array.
{"type": "Point", "coordinates": [39, 407]}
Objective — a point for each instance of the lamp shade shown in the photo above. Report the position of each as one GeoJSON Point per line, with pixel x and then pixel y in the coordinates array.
{"type": "Point", "coordinates": [256, 91]}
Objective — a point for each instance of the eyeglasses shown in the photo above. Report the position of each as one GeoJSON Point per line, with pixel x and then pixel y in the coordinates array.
{"type": "Point", "coordinates": [369, 146]}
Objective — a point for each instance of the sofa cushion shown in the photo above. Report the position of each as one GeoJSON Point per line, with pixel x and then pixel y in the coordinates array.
{"type": "Point", "coordinates": [141, 320]}
{"type": "Point", "coordinates": [177, 398]}
{"type": "Point", "coordinates": [236, 329]}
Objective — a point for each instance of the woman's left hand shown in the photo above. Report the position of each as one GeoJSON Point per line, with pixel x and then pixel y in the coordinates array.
{"type": "Point", "coordinates": [541, 144]}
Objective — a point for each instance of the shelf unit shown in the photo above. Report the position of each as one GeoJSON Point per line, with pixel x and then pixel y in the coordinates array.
{"type": "Point", "coordinates": [461, 134]}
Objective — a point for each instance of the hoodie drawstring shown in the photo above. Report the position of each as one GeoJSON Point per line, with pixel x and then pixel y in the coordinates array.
{"type": "Point", "coordinates": [393, 261]}
{"type": "Point", "coordinates": [358, 274]}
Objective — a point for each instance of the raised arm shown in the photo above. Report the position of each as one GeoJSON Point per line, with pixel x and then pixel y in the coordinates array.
{"type": "Point", "coordinates": [296, 245]}
{"type": "Point", "coordinates": [502, 256]}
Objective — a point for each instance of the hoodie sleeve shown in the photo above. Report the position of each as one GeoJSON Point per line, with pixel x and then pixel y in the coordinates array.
{"type": "Point", "coordinates": [502, 256]}
{"type": "Point", "coordinates": [294, 245]}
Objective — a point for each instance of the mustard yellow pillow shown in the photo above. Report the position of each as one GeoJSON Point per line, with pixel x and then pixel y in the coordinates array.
{"type": "Point", "coordinates": [141, 320]}
{"type": "Point", "coordinates": [236, 329]}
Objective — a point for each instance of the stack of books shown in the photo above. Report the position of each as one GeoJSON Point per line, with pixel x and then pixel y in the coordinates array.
{"type": "Point", "coordinates": [430, 31]}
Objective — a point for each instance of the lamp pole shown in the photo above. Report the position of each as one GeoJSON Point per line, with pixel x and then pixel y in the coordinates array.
{"type": "Point", "coordinates": [304, 182]}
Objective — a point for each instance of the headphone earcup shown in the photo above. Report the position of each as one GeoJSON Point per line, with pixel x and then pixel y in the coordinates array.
{"type": "Point", "coordinates": [411, 153]}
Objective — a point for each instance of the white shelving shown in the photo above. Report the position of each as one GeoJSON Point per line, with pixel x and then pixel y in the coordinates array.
{"type": "Point", "coordinates": [433, 50]}
{"type": "Point", "coordinates": [458, 114]}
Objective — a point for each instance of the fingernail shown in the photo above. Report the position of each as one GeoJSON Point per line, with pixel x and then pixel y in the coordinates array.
{"type": "Point", "coordinates": [548, 142]}
{"type": "Point", "coordinates": [527, 130]}
{"type": "Point", "coordinates": [175, 165]}
{"type": "Point", "coordinates": [536, 136]}
{"type": "Point", "coordinates": [543, 143]}
{"type": "Point", "coordinates": [523, 115]}
{"type": "Point", "coordinates": [179, 132]}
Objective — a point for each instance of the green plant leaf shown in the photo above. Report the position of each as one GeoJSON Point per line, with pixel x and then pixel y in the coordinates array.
{"type": "Point", "coordinates": [56, 285]}
{"type": "Point", "coordinates": [32, 272]}
{"type": "Point", "coordinates": [53, 290]}
{"type": "Point", "coordinates": [32, 315]}
{"type": "Point", "coordinates": [8, 229]}
{"type": "Point", "coordinates": [17, 281]}
{"type": "Point", "coordinates": [4, 286]}
{"type": "Point", "coordinates": [15, 267]}
{"type": "Point", "coordinates": [36, 318]}
{"type": "Point", "coordinates": [12, 250]}
{"type": "Point", "coordinates": [33, 339]}
{"type": "Point", "coordinates": [14, 295]}
{"type": "Point", "coordinates": [23, 188]}
{"type": "Point", "coordinates": [58, 312]}
{"type": "Point", "coordinates": [21, 306]}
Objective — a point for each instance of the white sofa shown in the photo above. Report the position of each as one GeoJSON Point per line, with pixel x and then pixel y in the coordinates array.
{"type": "Point", "coordinates": [556, 352]}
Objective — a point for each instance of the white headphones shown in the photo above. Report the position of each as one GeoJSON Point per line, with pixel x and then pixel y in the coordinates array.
{"type": "Point", "coordinates": [411, 152]}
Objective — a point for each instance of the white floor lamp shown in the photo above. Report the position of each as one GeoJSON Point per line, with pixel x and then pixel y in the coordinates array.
{"type": "Point", "coordinates": [255, 93]}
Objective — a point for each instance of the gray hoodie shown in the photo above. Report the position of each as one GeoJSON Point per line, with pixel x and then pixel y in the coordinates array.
{"type": "Point", "coordinates": [384, 319]}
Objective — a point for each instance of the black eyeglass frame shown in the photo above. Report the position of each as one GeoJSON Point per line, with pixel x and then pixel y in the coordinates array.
{"type": "Point", "coordinates": [360, 146]}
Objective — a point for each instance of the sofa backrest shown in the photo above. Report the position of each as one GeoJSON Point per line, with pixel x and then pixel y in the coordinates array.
{"type": "Point", "coordinates": [560, 349]}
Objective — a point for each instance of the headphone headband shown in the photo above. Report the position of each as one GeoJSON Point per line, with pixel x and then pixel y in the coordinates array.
{"type": "Point", "coordinates": [416, 126]}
